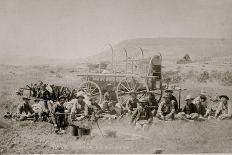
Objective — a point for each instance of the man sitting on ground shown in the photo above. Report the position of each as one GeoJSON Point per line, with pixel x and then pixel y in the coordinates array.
{"type": "Point", "coordinates": [93, 110]}
{"type": "Point", "coordinates": [142, 116]}
{"type": "Point", "coordinates": [224, 108]}
{"type": "Point", "coordinates": [79, 108]}
{"type": "Point", "coordinates": [172, 98]}
{"type": "Point", "coordinates": [152, 103]}
{"type": "Point", "coordinates": [110, 100]}
{"type": "Point", "coordinates": [24, 110]}
{"type": "Point", "coordinates": [166, 109]}
{"type": "Point", "coordinates": [189, 111]}
{"type": "Point", "coordinates": [58, 115]}
{"type": "Point", "coordinates": [201, 102]}
{"type": "Point", "coordinates": [132, 103]}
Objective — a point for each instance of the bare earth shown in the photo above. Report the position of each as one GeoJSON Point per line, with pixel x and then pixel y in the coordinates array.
{"type": "Point", "coordinates": [167, 137]}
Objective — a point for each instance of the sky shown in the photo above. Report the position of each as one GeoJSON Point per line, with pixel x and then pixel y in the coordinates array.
{"type": "Point", "coordinates": [80, 28]}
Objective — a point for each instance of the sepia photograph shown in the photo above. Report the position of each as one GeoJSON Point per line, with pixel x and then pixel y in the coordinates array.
{"type": "Point", "coordinates": [115, 76]}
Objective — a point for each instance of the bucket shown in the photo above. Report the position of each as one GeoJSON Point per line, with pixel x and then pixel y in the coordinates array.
{"type": "Point", "coordinates": [83, 131]}
{"type": "Point", "coordinates": [74, 130]}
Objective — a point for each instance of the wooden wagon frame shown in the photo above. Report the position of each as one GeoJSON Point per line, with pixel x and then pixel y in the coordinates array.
{"type": "Point", "coordinates": [139, 79]}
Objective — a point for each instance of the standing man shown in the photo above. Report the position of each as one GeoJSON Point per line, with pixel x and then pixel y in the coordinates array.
{"type": "Point", "coordinates": [224, 108]}
{"type": "Point", "coordinates": [189, 111]}
{"type": "Point", "coordinates": [24, 110]}
{"type": "Point", "coordinates": [166, 109]}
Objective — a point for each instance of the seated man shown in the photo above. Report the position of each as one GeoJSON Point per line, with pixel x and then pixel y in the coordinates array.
{"type": "Point", "coordinates": [224, 108]}
{"type": "Point", "coordinates": [166, 109]}
{"type": "Point", "coordinates": [172, 99]}
{"type": "Point", "coordinates": [152, 103]}
{"type": "Point", "coordinates": [142, 115]}
{"type": "Point", "coordinates": [93, 110]}
{"type": "Point", "coordinates": [189, 111]}
{"type": "Point", "coordinates": [24, 110]}
{"type": "Point", "coordinates": [132, 103]}
{"type": "Point", "coordinates": [79, 108]}
{"type": "Point", "coordinates": [110, 100]}
{"type": "Point", "coordinates": [58, 114]}
{"type": "Point", "coordinates": [201, 103]}
{"type": "Point", "coordinates": [46, 105]}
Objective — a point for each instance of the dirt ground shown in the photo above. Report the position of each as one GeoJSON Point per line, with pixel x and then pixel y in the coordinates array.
{"type": "Point", "coordinates": [210, 136]}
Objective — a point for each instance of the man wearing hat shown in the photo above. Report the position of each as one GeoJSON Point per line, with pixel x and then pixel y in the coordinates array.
{"type": "Point", "coordinates": [93, 107]}
{"type": "Point", "coordinates": [142, 114]}
{"type": "Point", "coordinates": [24, 109]}
{"type": "Point", "coordinates": [172, 98]}
{"type": "Point", "coordinates": [224, 108]}
{"type": "Point", "coordinates": [152, 103]}
{"type": "Point", "coordinates": [189, 111]}
{"type": "Point", "coordinates": [79, 107]}
{"type": "Point", "coordinates": [132, 103]}
{"type": "Point", "coordinates": [166, 109]}
{"type": "Point", "coordinates": [58, 114]}
{"type": "Point", "coordinates": [110, 98]}
{"type": "Point", "coordinates": [201, 102]}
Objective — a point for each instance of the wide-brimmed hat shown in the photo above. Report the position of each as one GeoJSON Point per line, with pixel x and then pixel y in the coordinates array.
{"type": "Point", "coordinates": [224, 97]}
{"type": "Point", "coordinates": [36, 99]}
{"type": "Point", "coordinates": [203, 92]}
{"type": "Point", "coordinates": [93, 99]}
{"type": "Point", "coordinates": [169, 90]}
{"type": "Point", "coordinates": [80, 95]}
{"type": "Point", "coordinates": [143, 100]}
{"type": "Point", "coordinates": [188, 97]}
{"type": "Point", "coordinates": [26, 98]}
{"type": "Point", "coordinates": [62, 96]}
{"type": "Point", "coordinates": [166, 96]}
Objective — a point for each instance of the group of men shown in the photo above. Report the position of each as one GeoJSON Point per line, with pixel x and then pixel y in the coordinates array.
{"type": "Point", "coordinates": [141, 111]}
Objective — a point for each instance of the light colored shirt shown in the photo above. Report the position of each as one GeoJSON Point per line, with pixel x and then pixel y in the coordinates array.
{"type": "Point", "coordinates": [166, 108]}
{"type": "Point", "coordinates": [224, 109]}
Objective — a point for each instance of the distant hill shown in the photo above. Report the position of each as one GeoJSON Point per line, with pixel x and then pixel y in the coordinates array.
{"type": "Point", "coordinates": [170, 48]}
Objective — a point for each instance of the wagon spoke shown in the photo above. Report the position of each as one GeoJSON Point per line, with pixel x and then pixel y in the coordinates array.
{"type": "Point", "coordinates": [128, 85]}
{"type": "Point", "coordinates": [125, 87]}
{"type": "Point", "coordinates": [125, 100]}
{"type": "Point", "coordinates": [93, 90]}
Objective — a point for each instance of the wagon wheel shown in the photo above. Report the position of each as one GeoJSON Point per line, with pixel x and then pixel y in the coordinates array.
{"type": "Point", "coordinates": [91, 89]}
{"type": "Point", "coordinates": [129, 84]}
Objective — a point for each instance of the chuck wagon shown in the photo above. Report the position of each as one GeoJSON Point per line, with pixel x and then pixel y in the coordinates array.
{"type": "Point", "coordinates": [140, 75]}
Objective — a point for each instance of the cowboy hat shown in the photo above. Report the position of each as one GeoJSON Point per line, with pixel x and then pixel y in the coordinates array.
{"type": "Point", "coordinates": [80, 95]}
{"type": "Point", "coordinates": [169, 90]}
{"type": "Point", "coordinates": [166, 96]}
{"type": "Point", "coordinates": [26, 98]}
{"type": "Point", "coordinates": [37, 99]}
{"type": "Point", "coordinates": [189, 97]}
{"type": "Point", "coordinates": [203, 92]}
{"type": "Point", "coordinates": [62, 96]}
{"type": "Point", "coordinates": [143, 100]}
{"type": "Point", "coordinates": [92, 99]}
{"type": "Point", "coordinates": [224, 97]}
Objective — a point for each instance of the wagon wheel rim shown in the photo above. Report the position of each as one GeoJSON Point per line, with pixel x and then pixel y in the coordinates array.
{"type": "Point", "coordinates": [91, 89]}
{"type": "Point", "coordinates": [130, 84]}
